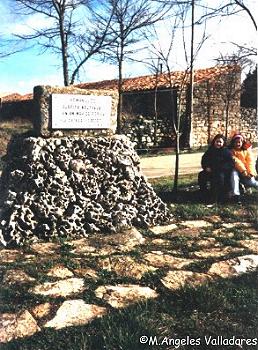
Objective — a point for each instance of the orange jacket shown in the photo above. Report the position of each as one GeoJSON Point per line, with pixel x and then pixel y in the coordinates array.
{"type": "Point", "coordinates": [244, 161]}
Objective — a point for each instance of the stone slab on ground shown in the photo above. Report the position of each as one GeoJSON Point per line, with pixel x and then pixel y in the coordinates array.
{"type": "Point", "coordinates": [86, 273]}
{"type": "Point", "coordinates": [196, 223]}
{"type": "Point", "coordinates": [126, 266]}
{"type": "Point", "coordinates": [43, 248]}
{"type": "Point", "coordinates": [75, 313]}
{"type": "Point", "coordinates": [62, 288]}
{"type": "Point", "coordinates": [81, 246]}
{"type": "Point", "coordinates": [10, 255]}
{"type": "Point", "coordinates": [230, 225]}
{"type": "Point", "coordinates": [60, 271]}
{"type": "Point", "coordinates": [234, 267]}
{"type": "Point", "coordinates": [160, 230]}
{"type": "Point", "coordinates": [130, 238]}
{"type": "Point", "coordinates": [17, 277]}
{"type": "Point", "coordinates": [186, 232]}
{"type": "Point", "coordinates": [175, 280]}
{"type": "Point", "coordinates": [120, 296]}
{"type": "Point", "coordinates": [108, 243]}
{"type": "Point", "coordinates": [251, 244]}
{"type": "Point", "coordinates": [13, 326]}
{"type": "Point", "coordinates": [217, 252]}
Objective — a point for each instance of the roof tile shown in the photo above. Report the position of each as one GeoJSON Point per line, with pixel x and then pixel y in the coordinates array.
{"type": "Point", "coordinates": [148, 82]}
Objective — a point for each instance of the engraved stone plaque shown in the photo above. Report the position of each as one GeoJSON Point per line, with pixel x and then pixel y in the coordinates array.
{"type": "Point", "coordinates": [71, 111]}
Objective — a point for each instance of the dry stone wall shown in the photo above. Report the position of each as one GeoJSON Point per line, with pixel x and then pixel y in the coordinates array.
{"type": "Point", "coordinates": [141, 132]}
{"type": "Point", "coordinates": [249, 124]}
{"type": "Point", "coordinates": [214, 103]}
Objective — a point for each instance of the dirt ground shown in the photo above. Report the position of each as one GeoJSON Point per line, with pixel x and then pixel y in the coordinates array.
{"type": "Point", "coordinates": [164, 165]}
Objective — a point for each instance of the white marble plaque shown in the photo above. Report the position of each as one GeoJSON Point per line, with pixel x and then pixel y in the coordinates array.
{"type": "Point", "coordinates": [81, 111]}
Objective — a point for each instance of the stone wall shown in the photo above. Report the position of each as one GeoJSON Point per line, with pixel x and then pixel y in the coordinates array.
{"type": "Point", "coordinates": [216, 109]}
{"type": "Point", "coordinates": [141, 131]}
{"type": "Point", "coordinates": [249, 124]}
{"type": "Point", "coordinates": [43, 113]}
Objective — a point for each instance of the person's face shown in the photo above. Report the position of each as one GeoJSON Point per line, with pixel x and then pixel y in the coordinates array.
{"type": "Point", "coordinates": [238, 143]}
{"type": "Point", "coordinates": [219, 143]}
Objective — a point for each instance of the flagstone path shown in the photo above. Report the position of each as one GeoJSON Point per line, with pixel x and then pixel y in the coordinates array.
{"type": "Point", "coordinates": [70, 283]}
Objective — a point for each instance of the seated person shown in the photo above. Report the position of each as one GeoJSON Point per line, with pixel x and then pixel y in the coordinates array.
{"type": "Point", "coordinates": [217, 164]}
{"type": "Point", "coordinates": [244, 169]}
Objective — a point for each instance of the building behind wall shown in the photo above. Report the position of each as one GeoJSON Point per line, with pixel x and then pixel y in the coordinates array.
{"type": "Point", "coordinates": [216, 107]}
{"type": "Point", "coordinates": [216, 104]}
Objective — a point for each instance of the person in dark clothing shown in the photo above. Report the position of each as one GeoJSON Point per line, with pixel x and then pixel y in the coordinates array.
{"type": "Point", "coordinates": [217, 164]}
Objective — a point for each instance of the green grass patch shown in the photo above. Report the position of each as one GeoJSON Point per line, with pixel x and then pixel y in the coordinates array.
{"type": "Point", "coordinates": [165, 184]}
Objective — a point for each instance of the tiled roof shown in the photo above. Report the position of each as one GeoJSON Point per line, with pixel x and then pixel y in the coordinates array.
{"type": "Point", "coordinates": [11, 97]}
{"type": "Point", "coordinates": [148, 82]}
{"type": "Point", "coordinates": [141, 83]}
{"type": "Point", "coordinates": [15, 97]}
{"type": "Point", "coordinates": [26, 97]}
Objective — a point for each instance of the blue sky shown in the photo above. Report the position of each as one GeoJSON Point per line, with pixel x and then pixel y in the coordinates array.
{"type": "Point", "coordinates": [20, 72]}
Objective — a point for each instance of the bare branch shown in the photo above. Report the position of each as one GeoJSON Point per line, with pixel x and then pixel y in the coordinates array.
{"type": "Point", "coordinates": [69, 31]}
{"type": "Point", "coordinates": [246, 9]}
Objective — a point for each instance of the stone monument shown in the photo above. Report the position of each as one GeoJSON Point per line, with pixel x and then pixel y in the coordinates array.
{"type": "Point", "coordinates": [73, 176]}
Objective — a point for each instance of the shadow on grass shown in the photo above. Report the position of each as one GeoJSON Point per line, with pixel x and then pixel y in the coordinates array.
{"type": "Point", "coordinates": [193, 196]}
{"type": "Point", "coordinates": [183, 196]}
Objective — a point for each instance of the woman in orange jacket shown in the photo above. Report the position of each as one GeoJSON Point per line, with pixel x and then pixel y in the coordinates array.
{"type": "Point", "coordinates": [244, 165]}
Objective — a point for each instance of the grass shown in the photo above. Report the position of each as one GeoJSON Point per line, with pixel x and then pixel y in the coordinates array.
{"type": "Point", "coordinates": [186, 204]}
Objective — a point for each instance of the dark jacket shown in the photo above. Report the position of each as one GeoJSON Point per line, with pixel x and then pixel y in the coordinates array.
{"type": "Point", "coordinates": [218, 159]}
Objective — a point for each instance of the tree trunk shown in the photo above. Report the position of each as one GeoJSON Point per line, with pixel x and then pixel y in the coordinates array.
{"type": "Point", "coordinates": [191, 79]}
{"type": "Point", "coordinates": [156, 113]}
{"type": "Point", "coordinates": [63, 38]}
{"type": "Point", "coordinates": [176, 174]}
{"type": "Point", "coordinates": [120, 88]}
{"type": "Point", "coordinates": [227, 117]}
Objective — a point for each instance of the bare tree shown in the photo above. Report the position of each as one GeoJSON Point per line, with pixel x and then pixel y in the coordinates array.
{"type": "Point", "coordinates": [129, 19]}
{"type": "Point", "coordinates": [186, 83]}
{"type": "Point", "coordinates": [163, 55]}
{"type": "Point", "coordinates": [7, 47]}
{"type": "Point", "coordinates": [225, 9]}
{"type": "Point", "coordinates": [231, 89]}
{"type": "Point", "coordinates": [69, 33]}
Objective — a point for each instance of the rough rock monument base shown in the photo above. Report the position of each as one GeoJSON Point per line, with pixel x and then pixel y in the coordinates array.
{"type": "Point", "coordinates": [74, 186]}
